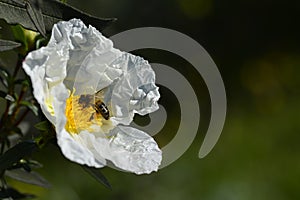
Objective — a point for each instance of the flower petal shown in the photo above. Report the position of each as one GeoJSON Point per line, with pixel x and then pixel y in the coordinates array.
{"type": "Point", "coordinates": [135, 91]}
{"type": "Point", "coordinates": [46, 68]}
{"type": "Point", "coordinates": [130, 149]}
{"type": "Point", "coordinates": [90, 56]}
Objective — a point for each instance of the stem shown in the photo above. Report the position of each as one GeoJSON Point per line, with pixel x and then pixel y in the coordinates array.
{"type": "Point", "coordinates": [6, 120]}
{"type": "Point", "coordinates": [17, 109]}
{"type": "Point", "coordinates": [2, 147]}
{"type": "Point", "coordinates": [19, 64]}
{"type": "Point", "coordinates": [22, 117]}
{"type": "Point", "coordinates": [4, 115]}
{"type": "Point", "coordinates": [11, 90]}
{"type": "Point", "coordinates": [3, 181]}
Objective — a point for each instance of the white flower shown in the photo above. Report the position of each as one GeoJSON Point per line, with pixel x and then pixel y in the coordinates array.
{"type": "Point", "coordinates": [80, 69]}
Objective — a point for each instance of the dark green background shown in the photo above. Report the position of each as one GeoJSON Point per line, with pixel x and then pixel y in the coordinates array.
{"type": "Point", "coordinates": [255, 45]}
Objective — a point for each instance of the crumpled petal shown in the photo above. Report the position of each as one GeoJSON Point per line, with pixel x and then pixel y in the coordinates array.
{"type": "Point", "coordinates": [80, 59]}
{"type": "Point", "coordinates": [41, 66]}
{"type": "Point", "coordinates": [91, 54]}
{"type": "Point", "coordinates": [129, 149]}
{"type": "Point", "coordinates": [133, 150]}
{"type": "Point", "coordinates": [135, 91]}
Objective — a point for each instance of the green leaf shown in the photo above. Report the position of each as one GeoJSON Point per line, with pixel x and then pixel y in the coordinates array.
{"type": "Point", "coordinates": [4, 76]}
{"type": "Point", "coordinates": [32, 177]}
{"type": "Point", "coordinates": [33, 164]}
{"type": "Point", "coordinates": [16, 153]}
{"type": "Point", "coordinates": [26, 165]}
{"type": "Point", "coordinates": [12, 107]}
{"type": "Point", "coordinates": [3, 94]}
{"type": "Point", "coordinates": [14, 12]}
{"type": "Point", "coordinates": [40, 42]}
{"type": "Point", "coordinates": [31, 106]}
{"type": "Point", "coordinates": [11, 193]}
{"type": "Point", "coordinates": [17, 130]}
{"type": "Point", "coordinates": [96, 173]}
{"type": "Point", "coordinates": [42, 126]}
{"type": "Point", "coordinates": [6, 96]}
{"type": "Point", "coordinates": [35, 13]}
{"type": "Point", "coordinates": [24, 82]}
{"type": "Point", "coordinates": [19, 165]}
{"type": "Point", "coordinates": [10, 98]}
{"type": "Point", "coordinates": [20, 36]}
{"type": "Point", "coordinates": [6, 45]}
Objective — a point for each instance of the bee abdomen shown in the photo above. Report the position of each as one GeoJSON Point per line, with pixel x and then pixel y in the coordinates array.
{"type": "Point", "coordinates": [102, 109]}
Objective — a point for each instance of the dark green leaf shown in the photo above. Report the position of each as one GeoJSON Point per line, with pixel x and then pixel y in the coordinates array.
{"type": "Point", "coordinates": [16, 153]}
{"type": "Point", "coordinates": [35, 13]}
{"type": "Point", "coordinates": [96, 173]}
{"type": "Point", "coordinates": [24, 82]}
{"type": "Point", "coordinates": [42, 126]}
{"type": "Point", "coordinates": [16, 130]}
{"type": "Point", "coordinates": [3, 94]}
{"type": "Point", "coordinates": [6, 45]}
{"type": "Point", "coordinates": [4, 76]}
{"type": "Point", "coordinates": [26, 165]}
{"type": "Point", "coordinates": [10, 193]}
{"type": "Point", "coordinates": [28, 177]}
{"type": "Point", "coordinates": [34, 164]}
{"type": "Point", "coordinates": [9, 98]}
{"type": "Point", "coordinates": [4, 71]}
{"type": "Point", "coordinates": [31, 106]}
{"type": "Point", "coordinates": [14, 12]}
{"type": "Point", "coordinates": [63, 11]}
{"type": "Point", "coordinates": [19, 165]}
{"type": "Point", "coordinates": [6, 96]}
{"type": "Point", "coordinates": [40, 42]}
{"type": "Point", "coordinates": [12, 107]}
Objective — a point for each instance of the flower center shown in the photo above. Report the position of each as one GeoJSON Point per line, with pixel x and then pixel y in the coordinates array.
{"type": "Point", "coordinates": [81, 114]}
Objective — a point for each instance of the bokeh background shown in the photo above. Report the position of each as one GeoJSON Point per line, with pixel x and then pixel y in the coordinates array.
{"type": "Point", "coordinates": [255, 45]}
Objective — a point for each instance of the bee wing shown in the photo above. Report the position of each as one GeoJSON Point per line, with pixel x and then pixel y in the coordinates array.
{"type": "Point", "coordinates": [100, 94]}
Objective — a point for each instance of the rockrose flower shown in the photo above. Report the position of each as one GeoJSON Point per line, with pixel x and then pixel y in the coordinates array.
{"type": "Point", "coordinates": [90, 92]}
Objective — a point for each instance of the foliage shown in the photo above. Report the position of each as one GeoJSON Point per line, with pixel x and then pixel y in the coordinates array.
{"type": "Point", "coordinates": [31, 22]}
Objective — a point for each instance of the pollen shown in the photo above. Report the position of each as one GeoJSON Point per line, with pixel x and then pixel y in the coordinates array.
{"type": "Point", "coordinates": [81, 114]}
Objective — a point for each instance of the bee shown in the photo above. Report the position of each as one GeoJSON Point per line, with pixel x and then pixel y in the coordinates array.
{"type": "Point", "coordinates": [100, 106]}
{"type": "Point", "coordinates": [102, 109]}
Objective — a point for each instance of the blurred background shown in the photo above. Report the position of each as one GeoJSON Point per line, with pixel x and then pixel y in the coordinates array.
{"type": "Point", "coordinates": [255, 45]}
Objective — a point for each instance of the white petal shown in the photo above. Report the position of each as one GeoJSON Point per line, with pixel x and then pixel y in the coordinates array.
{"type": "Point", "coordinates": [131, 150]}
{"type": "Point", "coordinates": [90, 55]}
{"type": "Point", "coordinates": [135, 91]}
{"type": "Point", "coordinates": [46, 68]}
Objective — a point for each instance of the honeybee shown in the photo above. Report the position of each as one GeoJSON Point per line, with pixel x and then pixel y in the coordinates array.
{"type": "Point", "coordinates": [102, 109]}
{"type": "Point", "coordinates": [100, 106]}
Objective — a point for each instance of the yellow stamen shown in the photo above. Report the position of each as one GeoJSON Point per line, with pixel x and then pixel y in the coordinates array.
{"type": "Point", "coordinates": [81, 114]}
